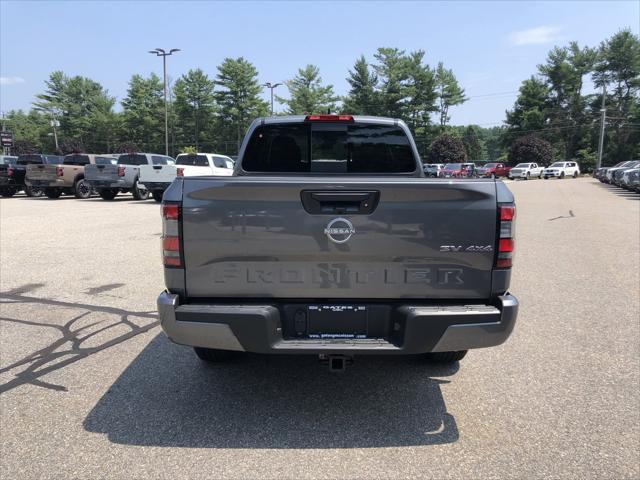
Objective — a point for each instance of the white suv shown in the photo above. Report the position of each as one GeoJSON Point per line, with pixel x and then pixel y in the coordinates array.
{"type": "Point", "coordinates": [561, 170]}
{"type": "Point", "coordinates": [526, 171]}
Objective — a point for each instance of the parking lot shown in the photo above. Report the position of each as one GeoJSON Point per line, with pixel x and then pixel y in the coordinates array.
{"type": "Point", "coordinates": [90, 386]}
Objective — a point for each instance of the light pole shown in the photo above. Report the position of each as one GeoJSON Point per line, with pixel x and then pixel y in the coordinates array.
{"type": "Point", "coordinates": [271, 87]}
{"type": "Point", "coordinates": [603, 119]}
{"type": "Point", "coordinates": [159, 52]}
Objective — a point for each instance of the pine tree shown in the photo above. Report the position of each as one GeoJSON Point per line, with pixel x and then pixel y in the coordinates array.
{"type": "Point", "coordinates": [307, 95]}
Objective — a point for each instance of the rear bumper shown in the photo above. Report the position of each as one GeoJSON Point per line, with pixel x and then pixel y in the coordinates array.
{"type": "Point", "coordinates": [155, 186]}
{"type": "Point", "coordinates": [47, 183]}
{"type": "Point", "coordinates": [259, 329]}
{"type": "Point", "coordinates": [108, 184]}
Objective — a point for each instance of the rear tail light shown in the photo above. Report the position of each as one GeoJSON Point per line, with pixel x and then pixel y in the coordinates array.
{"type": "Point", "coordinates": [121, 171]}
{"type": "Point", "coordinates": [180, 172]}
{"type": "Point", "coordinates": [171, 242]}
{"type": "Point", "coordinates": [59, 171]}
{"type": "Point", "coordinates": [10, 172]}
{"type": "Point", "coordinates": [506, 243]}
{"type": "Point", "coordinates": [329, 118]}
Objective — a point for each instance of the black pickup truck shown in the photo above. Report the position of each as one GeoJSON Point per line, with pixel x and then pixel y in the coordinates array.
{"type": "Point", "coordinates": [329, 240]}
{"type": "Point", "coordinates": [12, 176]}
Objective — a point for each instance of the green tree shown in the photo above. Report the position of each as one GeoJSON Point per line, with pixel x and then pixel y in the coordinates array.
{"type": "Point", "coordinates": [618, 69]}
{"type": "Point", "coordinates": [420, 92]}
{"type": "Point", "coordinates": [143, 113]}
{"type": "Point", "coordinates": [83, 108]}
{"type": "Point", "coordinates": [564, 72]}
{"type": "Point", "coordinates": [238, 99]}
{"type": "Point", "coordinates": [449, 93]}
{"type": "Point", "coordinates": [447, 149]}
{"type": "Point", "coordinates": [307, 95]}
{"type": "Point", "coordinates": [530, 148]}
{"type": "Point", "coordinates": [33, 127]}
{"type": "Point", "coordinates": [530, 111]}
{"type": "Point", "coordinates": [363, 98]}
{"type": "Point", "coordinates": [473, 143]}
{"type": "Point", "coordinates": [194, 107]}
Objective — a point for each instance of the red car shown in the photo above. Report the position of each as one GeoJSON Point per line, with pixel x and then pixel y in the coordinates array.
{"type": "Point", "coordinates": [494, 170]}
{"type": "Point", "coordinates": [457, 170]}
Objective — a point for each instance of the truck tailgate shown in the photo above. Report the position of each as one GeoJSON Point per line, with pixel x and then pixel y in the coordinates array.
{"type": "Point", "coordinates": [253, 237]}
{"type": "Point", "coordinates": [101, 172]}
{"type": "Point", "coordinates": [41, 172]}
{"type": "Point", "coordinates": [157, 173]}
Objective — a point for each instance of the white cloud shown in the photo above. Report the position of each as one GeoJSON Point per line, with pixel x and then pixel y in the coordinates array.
{"type": "Point", "coordinates": [11, 80]}
{"type": "Point", "coordinates": [535, 36]}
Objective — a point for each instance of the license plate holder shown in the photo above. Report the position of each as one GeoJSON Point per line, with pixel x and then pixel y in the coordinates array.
{"type": "Point", "coordinates": [337, 321]}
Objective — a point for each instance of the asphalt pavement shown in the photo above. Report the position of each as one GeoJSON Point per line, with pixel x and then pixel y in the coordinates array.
{"type": "Point", "coordinates": [91, 388]}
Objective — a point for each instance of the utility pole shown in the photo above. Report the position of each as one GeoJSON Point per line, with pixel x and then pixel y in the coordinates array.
{"type": "Point", "coordinates": [603, 120]}
{"type": "Point", "coordinates": [271, 87]}
{"type": "Point", "coordinates": [159, 52]}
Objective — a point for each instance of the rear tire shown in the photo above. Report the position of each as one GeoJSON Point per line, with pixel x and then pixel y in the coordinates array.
{"type": "Point", "coordinates": [33, 192]}
{"type": "Point", "coordinates": [82, 189]}
{"type": "Point", "coordinates": [157, 195]}
{"type": "Point", "coordinates": [8, 192]}
{"type": "Point", "coordinates": [53, 193]}
{"type": "Point", "coordinates": [108, 193]}
{"type": "Point", "coordinates": [446, 357]}
{"type": "Point", "coordinates": [213, 356]}
{"type": "Point", "coordinates": [139, 193]}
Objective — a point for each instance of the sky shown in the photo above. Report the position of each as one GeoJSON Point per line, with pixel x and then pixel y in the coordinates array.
{"type": "Point", "coordinates": [490, 46]}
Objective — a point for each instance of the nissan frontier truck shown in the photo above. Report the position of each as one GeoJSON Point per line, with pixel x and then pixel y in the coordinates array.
{"type": "Point", "coordinates": [328, 240]}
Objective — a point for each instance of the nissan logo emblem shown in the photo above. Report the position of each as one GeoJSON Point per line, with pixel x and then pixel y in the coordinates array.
{"type": "Point", "coordinates": [339, 230]}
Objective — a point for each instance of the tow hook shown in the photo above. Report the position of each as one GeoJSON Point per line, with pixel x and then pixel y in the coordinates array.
{"type": "Point", "coordinates": [336, 363]}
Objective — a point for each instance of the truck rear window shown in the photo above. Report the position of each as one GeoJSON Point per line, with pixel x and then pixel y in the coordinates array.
{"type": "Point", "coordinates": [29, 159]}
{"type": "Point", "coordinates": [329, 148]}
{"type": "Point", "coordinates": [132, 159]}
{"type": "Point", "coordinates": [76, 160]}
{"type": "Point", "coordinates": [106, 161]}
{"type": "Point", "coordinates": [192, 160]}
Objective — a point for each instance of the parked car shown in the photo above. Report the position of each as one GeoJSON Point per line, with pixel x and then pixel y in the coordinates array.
{"type": "Point", "coordinates": [614, 175]}
{"type": "Point", "coordinates": [67, 177]}
{"type": "Point", "coordinates": [314, 284]}
{"type": "Point", "coordinates": [5, 189]}
{"type": "Point", "coordinates": [561, 170]}
{"type": "Point", "coordinates": [493, 170]}
{"type": "Point", "coordinates": [633, 182]}
{"type": "Point", "coordinates": [13, 176]}
{"type": "Point", "coordinates": [627, 176]}
{"type": "Point", "coordinates": [109, 180]}
{"type": "Point", "coordinates": [526, 171]}
{"type": "Point", "coordinates": [157, 178]}
{"type": "Point", "coordinates": [433, 169]}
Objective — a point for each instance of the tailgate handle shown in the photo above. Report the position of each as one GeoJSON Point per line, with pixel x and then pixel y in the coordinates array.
{"type": "Point", "coordinates": [157, 167]}
{"type": "Point", "coordinates": [332, 202]}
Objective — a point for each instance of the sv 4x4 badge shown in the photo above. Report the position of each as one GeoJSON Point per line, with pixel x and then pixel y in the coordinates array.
{"type": "Point", "coordinates": [470, 248]}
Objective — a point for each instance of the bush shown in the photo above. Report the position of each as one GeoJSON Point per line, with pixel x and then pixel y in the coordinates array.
{"type": "Point", "coordinates": [447, 149]}
{"type": "Point", "coordinates": [531, 149]}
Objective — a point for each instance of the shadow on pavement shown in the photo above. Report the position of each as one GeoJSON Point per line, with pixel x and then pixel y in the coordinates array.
{"type": "Point", "coordinates": [621, 192]}
{"type": "Point", "coordinates": [167, 397]}
{"type": "Point", "coordinates": [75, 340]}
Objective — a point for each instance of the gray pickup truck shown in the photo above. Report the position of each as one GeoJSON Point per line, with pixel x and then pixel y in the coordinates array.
{"type": "Point", "coordinates": [109, 180]}
{"type": "Point", "coordinates": [329, 240]}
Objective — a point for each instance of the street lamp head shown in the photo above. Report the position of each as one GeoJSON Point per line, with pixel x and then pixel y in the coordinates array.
{"type": "Point", "coordinates": [155, 52]}
{"type": "Point", "coordinates": [174, 50]}
{"type": "Point", "coordinates": [160, 50]}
